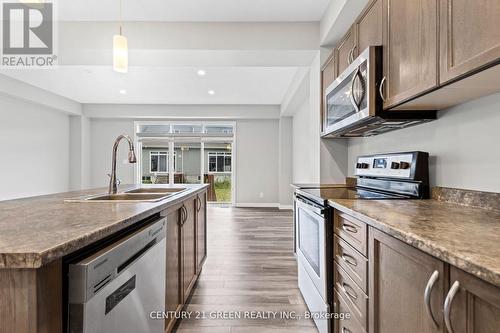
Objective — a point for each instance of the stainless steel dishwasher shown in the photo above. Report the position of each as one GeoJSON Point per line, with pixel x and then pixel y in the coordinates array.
{"type": "Point", "coordinates": [116, 289]}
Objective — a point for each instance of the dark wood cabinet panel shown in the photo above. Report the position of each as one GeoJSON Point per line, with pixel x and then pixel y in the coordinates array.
{"type": "Point", "coordinates": [475, 308]}
{"type": "Point", "coordinates": [410, 41]}
{"type": "Point", "coordinates": [201, 231]}
{"type": "Point", "coordinates": [369, 27]}
{"type": "Point", "coordinates": [399, 275]}
{"type": "Point", "coordinates": [470, 37]}
{"type": "Point", "coordinates": [327, 78]}
{"type": "Point", "coordinates": [188, 232]}
{"type": "Point", "coordinates": [173, 296]}
{"type": "Point", "coordinates": [343, 52]}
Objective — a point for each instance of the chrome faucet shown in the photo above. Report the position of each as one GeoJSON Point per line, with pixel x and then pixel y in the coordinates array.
{"type": "Point", "coordinates": [113, 187]}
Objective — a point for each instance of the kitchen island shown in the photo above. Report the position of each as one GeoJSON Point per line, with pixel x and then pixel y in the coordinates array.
{"type": "Point", "coordinates": [38, 234]}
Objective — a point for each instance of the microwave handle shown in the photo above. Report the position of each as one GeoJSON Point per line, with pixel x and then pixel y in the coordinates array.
{"type": "Point", "coordinates": [353, 99]}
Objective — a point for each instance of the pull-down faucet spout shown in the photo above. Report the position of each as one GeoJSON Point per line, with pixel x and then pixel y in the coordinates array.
{"type": "Point", "coordinates": [113, 187]}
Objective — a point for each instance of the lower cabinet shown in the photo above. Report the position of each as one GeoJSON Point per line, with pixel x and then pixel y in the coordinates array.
{"type": "Point", "coordinates": [186, 231]}
{"type": "Point", "coordinates": [173, 296]}
{"type": "Point", "coordinates": [472, 305]}
{"type": "Point", "coordinates": [408, 290]}
{"type": "Point", "coordinates": [201, 231]}
{"type": "Point", "coordinates": [406, 287]}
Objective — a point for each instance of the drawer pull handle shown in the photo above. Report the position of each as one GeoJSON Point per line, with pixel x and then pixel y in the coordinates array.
{"type": "Point", "coordinates": [447, 305]}
{"type": "Point", "coordinates": [427, 296]}
{"type": "Point", "coordinates": [346, 330]}
{"type": "Point", "coordinates": [349, 293]}
{"type": "Point", "coordinates": [349, 259]}
{"type": "Point", "coordinates": [350, 228]}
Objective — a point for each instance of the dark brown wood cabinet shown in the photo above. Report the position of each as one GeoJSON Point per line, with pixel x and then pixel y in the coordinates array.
{"type": "Point", "coordinates": [173, 296]}
{"type": "Point", "coordinates": [188, 246]}
{"type": "Point", "coordinates": [410, 43]}
{"type": "Point", "coordinates": [399, 276]}
{"type": "Point", "coordinates": [474, 304]}
{"type": "Point", "coordinates": [201, 231]}
{"type": "Point", "coordinates": [343, 51]}
{"type": "Point", "coordinates": [469, 36]}
{"type": "Point", "coordinates": [368, 27]}
{"type": "Point", "coordinates": [186, 239]}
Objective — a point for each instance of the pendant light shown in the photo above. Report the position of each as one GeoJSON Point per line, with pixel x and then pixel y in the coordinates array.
{"type": "Point", "coordinates": [120, 49]}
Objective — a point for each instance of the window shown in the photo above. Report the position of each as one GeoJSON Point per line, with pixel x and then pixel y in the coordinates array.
{"type": "Point", "coordinates": [159, 161]}
{"type": "Point", "coordinates": [219, 162]}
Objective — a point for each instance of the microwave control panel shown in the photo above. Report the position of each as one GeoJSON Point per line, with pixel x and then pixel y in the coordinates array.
{"type": "Point", "coordinates": [390, 166]}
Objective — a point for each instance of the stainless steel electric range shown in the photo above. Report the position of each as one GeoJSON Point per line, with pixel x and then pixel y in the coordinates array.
{"type": "Point", "coordinates": [394, 176]}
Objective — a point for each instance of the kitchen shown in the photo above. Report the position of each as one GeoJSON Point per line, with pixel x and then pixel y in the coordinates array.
{"type": "Point", "coordinates": [312, 166]}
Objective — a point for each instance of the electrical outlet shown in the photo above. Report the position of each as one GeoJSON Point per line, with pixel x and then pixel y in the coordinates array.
{"type": "Point", "coordinates": [261, 194]}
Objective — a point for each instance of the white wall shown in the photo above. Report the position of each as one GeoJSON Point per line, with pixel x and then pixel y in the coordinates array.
{"type": "Point", "coordinates": [35, 149]}
{"type": "Point", "coordinates": [257, 150]}
{"type": "Point", "coordinates": [103, 133]}
{"type": "Point", "coordinates": [305, 160]}
{"type": "Point", "coordinates": [257, 146]}
{"type": "Point", "coordinates": [285, 168]}
{"type": "Point", "coordinates": [463, 144]}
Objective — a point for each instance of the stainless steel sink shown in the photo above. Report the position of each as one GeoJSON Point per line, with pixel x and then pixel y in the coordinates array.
{"type": "Point", "coordinates": [123, 197]}
{"type": "Point", "coordinates": [144, 194]}
{"type": "Point", "coordinates": [157, 190]}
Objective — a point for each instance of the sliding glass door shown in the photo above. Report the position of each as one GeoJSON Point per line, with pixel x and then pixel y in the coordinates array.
{"type": "Point", "coordinates": [184, 153]}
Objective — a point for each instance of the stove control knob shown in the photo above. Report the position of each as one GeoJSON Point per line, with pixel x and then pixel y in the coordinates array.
{"type": "Point", "coordinates": [394, 165]}
{"type": "Point", "coordinates": [404, 165]}
{"type": "Point", "coordinates": [362, 165]}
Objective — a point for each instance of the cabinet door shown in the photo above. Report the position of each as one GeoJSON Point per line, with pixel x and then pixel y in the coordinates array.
{"type": "Point", "coordinates": [410, 49]}
{"type": "Point", "coordinates": [399, 275]}
{"type": "Point", "coordinates": [369, 27]}
{"type": "Point", "coordinates": [475, 308]}
{"type": "Point", "coordinates": [343, 52]}
{"type": "Point", "coordinates": [327, 78]}
{"type": "Point", "coordinates": [201, 231]}
{"type": "Point", "coordinates": [188, 247]}
{"type": "Point", "coordinates": [470, 36]}
{"type": "Point", "coordinates": [173, 296]}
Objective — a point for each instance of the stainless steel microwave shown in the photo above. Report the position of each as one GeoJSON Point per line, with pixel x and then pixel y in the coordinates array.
{"type": "Point", "coordinates": [353, 104]}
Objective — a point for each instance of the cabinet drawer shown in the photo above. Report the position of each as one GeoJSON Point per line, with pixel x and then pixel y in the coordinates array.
{"type": "Point", "coordinates": [350, 325]}
{"type": "Point", "coordinates": [352, 262]}
{"type": "Point", "coordinates": [352, 294]}
{"type": "Point", "coordinates": [352, 230]}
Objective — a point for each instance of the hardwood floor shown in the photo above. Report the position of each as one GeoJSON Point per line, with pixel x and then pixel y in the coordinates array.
{"type": "Point", "coordinates": [250, 268]}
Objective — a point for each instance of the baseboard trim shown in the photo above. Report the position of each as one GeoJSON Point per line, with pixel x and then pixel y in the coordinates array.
{"type": "Point", "coordinates": [285, 207]}
{"type": "Point", "coordinates": [257, 205]}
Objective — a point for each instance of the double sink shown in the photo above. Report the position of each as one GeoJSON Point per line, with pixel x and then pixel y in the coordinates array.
{"type": "Point", "coordinates": [144, 194]}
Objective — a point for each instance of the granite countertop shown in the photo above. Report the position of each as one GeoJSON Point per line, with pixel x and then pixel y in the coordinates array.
{"type": "Point", "coordinates": [37, 230]}
{"type": "Point", "coordinates": [465, 237]}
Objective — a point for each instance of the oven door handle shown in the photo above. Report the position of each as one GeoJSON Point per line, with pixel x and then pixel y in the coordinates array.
{"type": "Point", "coordinates": [307, 205]}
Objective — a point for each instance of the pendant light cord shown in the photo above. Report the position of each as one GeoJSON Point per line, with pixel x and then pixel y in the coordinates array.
{"type": "Point", "coordinates": [121, 19]}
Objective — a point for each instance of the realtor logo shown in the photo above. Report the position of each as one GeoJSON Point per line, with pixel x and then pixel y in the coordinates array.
{"type": "Point", "coordinates": [28, 34]}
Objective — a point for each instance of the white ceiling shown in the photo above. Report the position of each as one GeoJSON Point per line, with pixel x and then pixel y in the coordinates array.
{"type": "Point", "coordinates": [193, 10]}
{"type": "Point", "coordinates": [163, 85]}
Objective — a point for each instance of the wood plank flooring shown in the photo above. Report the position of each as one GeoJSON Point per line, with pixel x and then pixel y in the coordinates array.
{"type": "Point", "coordinates": [250, 267]}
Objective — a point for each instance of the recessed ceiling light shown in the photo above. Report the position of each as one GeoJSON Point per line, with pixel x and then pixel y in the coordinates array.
{"type": "Point", "coordinates": [211, 92]}
{"type": "Point", "coordinates": [201, 72]}
{"type": "Point", "coordinates": [123, 91]}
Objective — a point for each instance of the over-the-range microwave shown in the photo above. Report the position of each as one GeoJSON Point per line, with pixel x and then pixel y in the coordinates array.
{"type": "Point", "coordinates": [353, 103]}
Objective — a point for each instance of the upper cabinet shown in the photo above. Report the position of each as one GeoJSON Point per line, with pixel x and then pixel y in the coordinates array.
{"type": "Point", "coordinates": [368, 27]}
{"type": "Point", "coordinates": [344, 51]}
{"type": "Point", "coordinates": [410, 43]}
{"type": "Point", "coordinates": [470, 36]}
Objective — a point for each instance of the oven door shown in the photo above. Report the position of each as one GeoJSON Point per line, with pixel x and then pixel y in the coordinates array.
{"type": "Point", "coordinates": [311, 243]}
{"type": "Point", "coordinates": [352, 97]}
